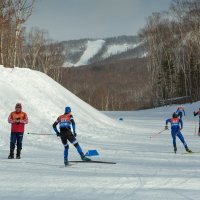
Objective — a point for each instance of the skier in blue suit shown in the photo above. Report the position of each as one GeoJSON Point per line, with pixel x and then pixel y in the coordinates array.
{"type": "Point", "coordinates": [176, 127]}
{"type": "Point", "coordinates": [65, 122]}
{"type": "Point", "coordinates": [180, 111]}
{"type": "Point", "coordinates": [195, 114]}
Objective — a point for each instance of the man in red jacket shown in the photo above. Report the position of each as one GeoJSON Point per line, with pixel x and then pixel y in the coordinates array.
{"type": "Point", "coordinates": [17, 119]}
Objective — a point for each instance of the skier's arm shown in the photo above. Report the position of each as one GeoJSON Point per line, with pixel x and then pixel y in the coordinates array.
{"type": "Point", "coordinates": [10, 119]}
{"type": "Point", "coordinates": [195, 113]}
{"type": "Point", "coordinates": [177, 111]}
{"type": "Point", "coordinates": [167, 121]}
{"type": "Point", "coordinates": [181, 123]}
{"type": "Point", "coordinates": [166, 124]}
{"type": "Point", "coordinates": [25, 120]}
{"type": "Point", "coordinates": [55, 127]}
{"type": "Point", "coordinates": [73, 125]}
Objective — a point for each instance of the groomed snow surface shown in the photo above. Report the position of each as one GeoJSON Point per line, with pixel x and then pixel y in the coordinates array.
{"type": "Point", "coordinates": [146, 169]}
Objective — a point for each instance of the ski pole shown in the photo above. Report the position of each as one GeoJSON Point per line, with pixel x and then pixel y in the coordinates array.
{"type": "Point", "coordinates": [41, 134]}
{"type": "Point", "coordinates": [154, 135]}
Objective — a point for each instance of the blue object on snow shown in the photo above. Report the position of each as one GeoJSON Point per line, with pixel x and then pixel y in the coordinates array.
{"type": "Point", "coordinates": [92, 153]}
{"type": "Point", "coordinates": [121, 119]}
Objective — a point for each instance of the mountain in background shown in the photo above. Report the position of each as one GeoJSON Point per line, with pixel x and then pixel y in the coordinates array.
{"type": "Point", "coordinates": [89, 51]}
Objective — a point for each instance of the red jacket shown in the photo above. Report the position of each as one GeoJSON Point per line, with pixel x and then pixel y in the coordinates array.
{"type": "Point", "coordinates": [18, 121]}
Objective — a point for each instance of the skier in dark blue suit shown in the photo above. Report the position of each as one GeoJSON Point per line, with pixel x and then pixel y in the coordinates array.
{"type": "Point", "coordinates": [65, 122]}
{"type": "Point", "coordinates": [176, 127]}
{"type": "Point", "coordinates": [195, 114]}
{"type": "Point", "coordinates": [180, 111]}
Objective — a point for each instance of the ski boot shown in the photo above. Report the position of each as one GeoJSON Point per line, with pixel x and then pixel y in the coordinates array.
{"type": "Point", "coordinates": [188, 150]}
{"type": "Point", "coordinates": [175, 149]}
{"type": "Point", "coordinates": [66, 162]}
{"type": "Point", "coordinates": [18, 154]}
{"type": "Point", "coordinates": [11, 155]}
{"type": "Point", "coordinates": [84, 158]}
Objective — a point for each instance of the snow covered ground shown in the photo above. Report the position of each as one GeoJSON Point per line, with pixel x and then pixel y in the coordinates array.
{"type": "Point", "coordinates": [146, 169]}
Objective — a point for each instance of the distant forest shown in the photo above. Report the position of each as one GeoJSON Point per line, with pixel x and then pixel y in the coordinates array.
{"type": "Point", "coordinates": [173, 46]}
{"type": "Point", "coordinates": [116, 85]}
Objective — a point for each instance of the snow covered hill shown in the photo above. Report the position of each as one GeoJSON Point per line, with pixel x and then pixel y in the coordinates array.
{"type": "Point", "coordinates": [88, 51]}
{"type": "Point", "coordinates": [146, 169]}
{"type": "Point", "coordinates": [44, 100]}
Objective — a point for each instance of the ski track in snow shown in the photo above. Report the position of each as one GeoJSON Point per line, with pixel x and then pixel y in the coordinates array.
{"type": "Point", "coordinates": [146, 169]}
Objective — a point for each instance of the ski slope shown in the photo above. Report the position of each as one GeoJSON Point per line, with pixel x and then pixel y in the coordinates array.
{"type": "Point", "coordinates": [146, 169]}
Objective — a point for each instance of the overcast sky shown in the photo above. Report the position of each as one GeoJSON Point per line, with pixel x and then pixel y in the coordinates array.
{"type": "Point", "coordinates": [75, 19]}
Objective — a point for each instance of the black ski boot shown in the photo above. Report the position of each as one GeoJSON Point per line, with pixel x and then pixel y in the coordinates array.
{"type": "Point", "coordinates": [18, 155]}
{"type": "Point", "coordinates": [175, 149]}
{"type": "Point", "coordinates": [11, 155]}
{"type": "Point", "coordinates": [188, 150]}
{"type": "Point", "coordinates": [84, 158]}
{"type": "Point", "coordinates": [66, 162]}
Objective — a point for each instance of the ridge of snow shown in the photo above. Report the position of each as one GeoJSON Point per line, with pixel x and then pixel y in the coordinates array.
{"type": "Point", "coordinates": [44, 100]}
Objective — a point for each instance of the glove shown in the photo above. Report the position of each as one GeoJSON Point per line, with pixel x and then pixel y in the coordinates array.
{"type": "Point", "coordinates": [17, 121]}
{"type": "Point", "coordinates": [166, 127]}
{"type": "Point", "coordinates": [194, 113]}
{"type": "Point", "coordinates": [58, 134]}
{"type": "Point", "coordinates": [75, 134]}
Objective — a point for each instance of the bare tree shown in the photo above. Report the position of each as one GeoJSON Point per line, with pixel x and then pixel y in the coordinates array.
{"type": "Point", "coordinates": [22, 11]}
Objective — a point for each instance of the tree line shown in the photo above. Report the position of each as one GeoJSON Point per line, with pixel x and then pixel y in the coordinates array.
{"type": "Point", "coordinates": [33, 49]}
{"type": "Point", "coordinates": [113, 85]}
{"type": "Point", "coordinates": [173, 46]}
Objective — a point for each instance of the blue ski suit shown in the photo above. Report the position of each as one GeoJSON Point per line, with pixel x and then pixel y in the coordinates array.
{"type": "Point", "coordinates": [65, 122]}
{"type": "Point", "coordinates": [176, 126]}
{"type": "Point", "coordinates": [180, 111]}
{"type": "Point", "coordinates": [195, 114]}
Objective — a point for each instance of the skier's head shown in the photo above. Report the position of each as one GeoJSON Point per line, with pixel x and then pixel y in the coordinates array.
{"type": "Point", "coordinates": [174, 115]}
{"type": "Point", "coordinates": [67, 110]}
{"type": "Point", "coordinates": [18, 107]}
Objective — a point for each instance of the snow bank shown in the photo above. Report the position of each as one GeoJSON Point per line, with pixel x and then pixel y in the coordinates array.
{"type": "Point", "coordinates": [44, 100]}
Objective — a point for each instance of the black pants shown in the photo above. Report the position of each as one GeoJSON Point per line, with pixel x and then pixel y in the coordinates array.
{"type": "Point", "coordinates": [16, 138]}
{"type": "Point", "coordinates": [66, 135]}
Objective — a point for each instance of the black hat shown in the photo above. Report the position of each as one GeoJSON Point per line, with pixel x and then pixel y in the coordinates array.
{"type": "Point", "coordinates": [174, 115]}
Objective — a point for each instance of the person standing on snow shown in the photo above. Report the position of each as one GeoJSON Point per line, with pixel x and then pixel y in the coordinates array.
{"type": "Point", "coordinates": [195, 114]}
{"type": "Point", "coordinates": [65, 122]}
{"type": "Point", "coordinates": [17, 119]}
{"type": "Point", "coordinates": [176, 127]}
{"type": "Point", "coordinates": [180, 111]}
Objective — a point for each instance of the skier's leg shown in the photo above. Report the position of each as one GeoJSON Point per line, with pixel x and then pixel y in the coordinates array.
{"type": "Point", "coordinates": [19, 144]}
{"type": "Point", "coordinates": [66, 147]}
{"type": "Point", "coordinates": [180, 136]}
{"type": "Point", "coordinates": [174, 140]}
{"type": "Point", "coordinates": [74, 141]}
{"type": "Point", "coordinates": [66, 150]}
{"type": "Point", "coordinates": [12, 145]}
